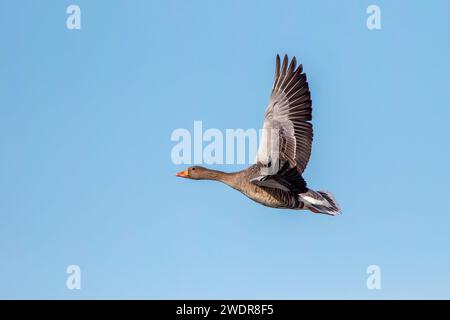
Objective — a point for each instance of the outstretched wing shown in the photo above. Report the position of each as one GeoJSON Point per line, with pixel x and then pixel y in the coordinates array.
{"type": "Point", "coordinates": [287, 131]}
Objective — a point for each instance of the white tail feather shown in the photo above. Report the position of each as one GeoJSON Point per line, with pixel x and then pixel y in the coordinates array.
{"type": "Point", "coordinates": [320, 202]}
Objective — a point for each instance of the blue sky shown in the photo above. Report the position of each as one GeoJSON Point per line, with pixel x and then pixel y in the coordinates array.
{"type": "Point", "coordinates": [86, 176]}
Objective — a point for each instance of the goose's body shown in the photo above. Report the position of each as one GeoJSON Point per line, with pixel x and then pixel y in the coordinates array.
{"type": "Point", "coordinates": [276, 178]}
{"type": "Point", "coordinates": [270, 197]}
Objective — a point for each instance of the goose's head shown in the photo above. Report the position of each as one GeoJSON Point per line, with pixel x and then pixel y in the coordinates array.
{"type": "Point", "coordinates": [195, 172]}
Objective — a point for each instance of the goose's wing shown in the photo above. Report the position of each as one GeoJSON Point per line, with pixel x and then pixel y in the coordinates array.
{"type": "Point", "coordinates": [287, 131]}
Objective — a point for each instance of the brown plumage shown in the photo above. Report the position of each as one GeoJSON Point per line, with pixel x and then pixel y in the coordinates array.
{"type": "Point", "coordinates": [276, 178]}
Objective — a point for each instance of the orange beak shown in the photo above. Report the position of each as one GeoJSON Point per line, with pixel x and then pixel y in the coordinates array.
{"type": "Point", "coordinates": [183, 174]}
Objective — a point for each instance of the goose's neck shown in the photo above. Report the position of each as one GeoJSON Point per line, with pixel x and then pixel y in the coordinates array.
{"type": "Point", "coordinates": [225, 177]}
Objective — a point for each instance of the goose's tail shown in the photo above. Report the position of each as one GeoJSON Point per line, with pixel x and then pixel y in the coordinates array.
{"type": "Point", "coordinates": [320, 202]}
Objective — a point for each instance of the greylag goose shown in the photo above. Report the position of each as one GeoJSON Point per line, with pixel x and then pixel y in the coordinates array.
{"type": "Point", "coordinates": [275, 180]}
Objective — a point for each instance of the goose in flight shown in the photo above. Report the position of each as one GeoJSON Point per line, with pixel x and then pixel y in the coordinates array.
{"type": "Point", "coordinates": [275, 180]}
